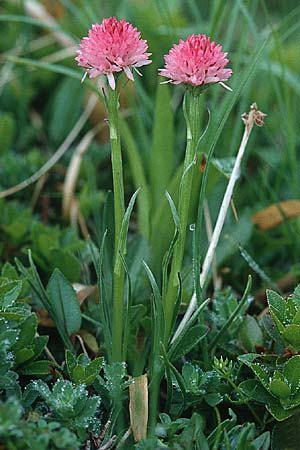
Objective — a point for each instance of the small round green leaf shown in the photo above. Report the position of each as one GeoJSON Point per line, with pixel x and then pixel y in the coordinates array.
{"type": "Point", "coordinates": [250, 333]}
{"type": "Point", "coordinates": [291, 373]}
{"type": "Point", "coordinates": [292, 335]}
{"type": "Point", "coordinates": [280, 389]}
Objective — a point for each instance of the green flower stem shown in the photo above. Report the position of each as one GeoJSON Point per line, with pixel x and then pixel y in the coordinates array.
{"type": "Point", "coordinates": [154, 390]}
{"type": "Point", "coordinates": [193, 134]}
{"type": "Point", "coordinates": [119, 210]}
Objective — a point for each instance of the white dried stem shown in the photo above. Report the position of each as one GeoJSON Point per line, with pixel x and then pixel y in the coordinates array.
{"type": "Point", "coordinates": [209, 232]}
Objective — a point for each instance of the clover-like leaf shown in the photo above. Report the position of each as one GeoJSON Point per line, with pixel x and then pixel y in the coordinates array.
{"type": "Point", "coordinates": [291, 372]}
{"type": "Point", "coordinates": [250, 333]}
{"type": "Point", "coordinates": [291, 334]}
{"type": "Point", "coordinates": [9, 292]}
{"type": "Point", "coordinates": [279, 388]}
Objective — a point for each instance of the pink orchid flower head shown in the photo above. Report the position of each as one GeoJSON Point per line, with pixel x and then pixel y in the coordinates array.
{"type": "Point", "coordinates": [111, 47]}
{"type": "Point", "coordinates": [196, 62]}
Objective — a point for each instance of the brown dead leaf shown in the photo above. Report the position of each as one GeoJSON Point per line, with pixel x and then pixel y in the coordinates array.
{"type": "Point", "coordinates": [138, 407]}
{"type": "Point", "coordinates": [44, 318]}
{"type": "Point", "coordinates": [202, 164]}
{"type": "Point", "coordinates": [55, 8]}
{"type": "Point", "coordinates": [274, 215]}
{"type": "Point", "coordinates": [83, 291]}
{"type": "Point", "coordinates": [285, 284]}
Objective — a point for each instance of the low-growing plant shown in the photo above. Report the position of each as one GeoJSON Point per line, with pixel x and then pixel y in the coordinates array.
{"type": "Point", "coordinates": [277, 380]}
{"type": "Point", "coordinates": [20, 433]}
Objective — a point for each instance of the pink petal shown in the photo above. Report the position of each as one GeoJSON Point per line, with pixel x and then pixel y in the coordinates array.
{"type": "Point", "coordinates": [128, 73]}
{"type": "Point", "coordinates": [111, 81]}
{"type": "Point", "coordinates": [84, 77]}
{"type": "Point", "coordinates": [144, 62]}
{"type": "Point", "coordinates": [225, 86]}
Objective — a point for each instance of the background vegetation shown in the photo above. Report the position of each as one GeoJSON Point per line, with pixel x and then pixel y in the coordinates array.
{"type": "Point", "coordinates": [46, 117]}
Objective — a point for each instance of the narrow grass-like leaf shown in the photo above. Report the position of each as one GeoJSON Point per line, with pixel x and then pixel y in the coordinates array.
{"type": "Point", "coordinates": [168, 377]}
{"type": "Point", "coordinates": [169, 253]}
{"type": "Point", "coordinates": [103, 310]}
{"type": "Point", "coordinates": [175, 345]}
{"type": "Point", "coordinates": [128, 303]}
{"type": "Point", "coordinates": [157, 298]}
{"type": "Point", "coordinates": [191, 338]}
{"type": "Point", "coordinates": [158, 323]}
{"type": "Point", "coordinates": [180, 382]}
{"type": "Point", "coordinates": [139, 178]}
{"type": "Point", "coordinates": [256, 268]}
{"type": "Point", "coordinates": [162, 220]}
{"type": "Point", "coordinates": [174, 212]}
{"type": "Point", "coordinates": [229, 321]}
{"type": "Point", "coordinates": [162, 151]}
{"type": "Point", "coordinates": [34, 280]}
{"type": "Point", "coordinates": [30, 21]}
{"type": "Point", "coordinates": [196, 266]}
{"type": "Point", "coordinates": [56, 68]}
{"type": "Point", "coordinates": [123, 233]}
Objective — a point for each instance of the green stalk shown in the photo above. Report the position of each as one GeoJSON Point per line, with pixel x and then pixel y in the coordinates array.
{"type": "Point", "coordinates": [193, 134]}
{"type": "Point", "coordinates": [154, 390]}
{"type": "Point", "coordinates": [192, 116]}
{"type": "Point", "coordinates": [119, 210]}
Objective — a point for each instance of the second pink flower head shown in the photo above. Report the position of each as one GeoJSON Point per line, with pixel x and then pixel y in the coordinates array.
{"type": "Point", "coordinates": [196, 61]}
{"type": "Point", "coordinates": [110, 47]}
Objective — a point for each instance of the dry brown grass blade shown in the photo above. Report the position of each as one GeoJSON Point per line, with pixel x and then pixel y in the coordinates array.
{"type": "Point", "coordinates": [286, 284]}
{"type": "Point", "coordinates": [37, 190]}
{"type": "Point", "coordinates": [73, 172]}
{"type": "Point", "coordinates": [138, 407]}
{"type": "Point", "coordinates": [274, 215]}
{"type": "Point", "coordinates": [38, 11]}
